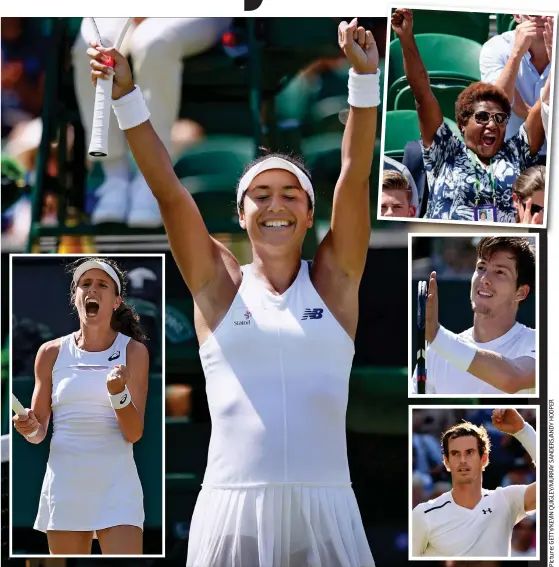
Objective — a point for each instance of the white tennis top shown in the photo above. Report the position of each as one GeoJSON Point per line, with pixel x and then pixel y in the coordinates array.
{"type": "Point", "coordinates": [442, 528]}
{"type": "Point", "coordinates": [80, 403]}
{"type": "Point", "coordinates": [444, 378]}
{"type": "Point", "coordinates": [277, 377]}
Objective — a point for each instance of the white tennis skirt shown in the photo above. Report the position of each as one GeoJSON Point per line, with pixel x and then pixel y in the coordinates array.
{"type": "Point", "coordinates": [278, 526]}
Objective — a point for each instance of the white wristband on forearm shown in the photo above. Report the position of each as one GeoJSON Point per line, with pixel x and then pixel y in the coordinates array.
{"type": "Point", "coordinates": [121, 400]}
{"type": "Point", "coordinates": [452, 348]}
{"type": "Point", "coordinates": [363, 90]}
{"type": "Point", "coordinates": [131, 110]}
{"type": "Point", "coordinates": [527, 436]}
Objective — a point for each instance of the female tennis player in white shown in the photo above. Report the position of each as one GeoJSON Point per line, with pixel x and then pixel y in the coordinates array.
{"type": "Point", "coordinates": [95, 383]}
{"type": "Point", "coordinates": [276, 336]}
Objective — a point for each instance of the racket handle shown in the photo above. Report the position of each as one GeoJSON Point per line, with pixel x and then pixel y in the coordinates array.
{"type": "Point", "coordinates": [18, 408]}
{"type": "Point", "coordinates": [98, 146]}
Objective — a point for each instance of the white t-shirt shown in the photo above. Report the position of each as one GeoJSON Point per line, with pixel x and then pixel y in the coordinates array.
{"type": "Point", "coordinates": [442, 528]}
{"type": "Point", "coordinates": [444, 378]}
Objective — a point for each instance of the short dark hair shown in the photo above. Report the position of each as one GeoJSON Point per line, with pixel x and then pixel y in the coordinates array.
{"type": "Point", "coordinates": [475, 93]}
{"type": "Point", "coordinates": [529, 181]}
{"type": "Point", "coordinates": [295, 160]}
{"type": "Point", "coordinates": [125, 320]}
{"type": "Point", "coordinates": [467, 429]}
{"type": "Point", "coordinates": [522, 250]}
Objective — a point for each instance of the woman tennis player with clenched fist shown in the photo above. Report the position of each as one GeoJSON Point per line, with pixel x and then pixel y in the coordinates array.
{"type": "Point", "coordinates": [276, 337]}
{"type": "Point", "coordinates": [95, 382]}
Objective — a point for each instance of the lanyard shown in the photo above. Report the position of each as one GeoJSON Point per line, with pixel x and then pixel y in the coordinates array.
{"type": "Point", "coordinates": [478, 183]}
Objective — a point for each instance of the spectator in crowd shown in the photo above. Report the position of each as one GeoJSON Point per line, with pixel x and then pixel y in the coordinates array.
{"type": "Point", "coordinates": [519, 62]}
{"type": "Point", "coordinates": [157, 47]}
{"type": "Point", "coordinates": [529, 195]}
{"type": "Point", "coordinates": [397, 195]}
{"type": "Point", "coordinates": [470, 178]}
{"type": "Point", "coordinates": [523, 536]}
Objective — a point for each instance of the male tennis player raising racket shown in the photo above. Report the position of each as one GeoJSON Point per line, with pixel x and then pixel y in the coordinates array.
{"type": "Point", "coordinates": [276, 336]}
{"type": "Point", "coordinates": [95, 382]}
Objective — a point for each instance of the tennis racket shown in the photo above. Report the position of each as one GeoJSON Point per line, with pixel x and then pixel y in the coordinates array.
{"type": "Point", "coordinates": [98, 145]}
{"type": "Point", "coordinates": [421, 308]}
{"type": "Point", "coordinates": [18, 409]}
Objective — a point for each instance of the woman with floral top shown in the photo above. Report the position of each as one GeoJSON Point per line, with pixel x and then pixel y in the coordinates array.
{"type": "Point", "coordinates": [469, 179]}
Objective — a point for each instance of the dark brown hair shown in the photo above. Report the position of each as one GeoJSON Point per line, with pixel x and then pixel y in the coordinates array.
{"type": "Point", "coordinates": [529, 181]}
{"type": "Point", "coordinates": [295, 160]}
{"type": "Point", "coordinates": [467, 429]}
{"type": "Point", "coordinates": [125, 320]}
{"type": "Point", "coordinates": [522, 250]}
{"type": "Point", "coordinates": [475, 93]}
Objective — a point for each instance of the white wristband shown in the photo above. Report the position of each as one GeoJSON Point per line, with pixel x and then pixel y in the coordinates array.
{"type": "Point", "coordinates": [527, 436]}
{"type": "Point", "coordinates": [363, 90]}
{"type": "Point", "coordinates": [131, 110]}
{"type": "Point", "coordinates": [452, 348]}
{"type": "Point", "coordinates": [120, 400]}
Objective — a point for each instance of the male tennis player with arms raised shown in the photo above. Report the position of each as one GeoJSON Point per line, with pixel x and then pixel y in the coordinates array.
{"type": "Point", "coordinates": [471, 521]}
{"type": "Point", "coordinates": [497, 355]}
{"type": "Point", "coordinates": [276, 337]}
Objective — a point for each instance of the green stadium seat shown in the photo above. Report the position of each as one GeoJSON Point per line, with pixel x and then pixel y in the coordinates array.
{"type": "Point", "coordinates": [505, 22]}
{"type": "Point", "coordinates": [442, 55]}
{"type": "Point", "coordinates": [470, 25]}
{"type": "Point", "coordinates": [445, 94]}
{"type": "Point", "coordinates": [402, 126]}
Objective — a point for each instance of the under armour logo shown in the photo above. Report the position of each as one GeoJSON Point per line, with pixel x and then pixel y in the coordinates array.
{"type": "Point", "coordinates": [312, 314]}
{"type": "Point", "coordinates": [488, 510]}
{"type": "Point", "coordinates": [115, 355]}
{"type": "Point", "coordinates": [125, 397]}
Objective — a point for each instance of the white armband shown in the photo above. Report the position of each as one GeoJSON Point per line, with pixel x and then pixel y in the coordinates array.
{"type": "Point", "coordinates": [452, 348]}
{"type": "Point", "coordinates": [527, 436]}
{"type": "Point", "coordinates": [120, 400]}
{"type": "Point", "coordinates": [131, 110]}
{"type": "Point", "coordinates": [363, 90]}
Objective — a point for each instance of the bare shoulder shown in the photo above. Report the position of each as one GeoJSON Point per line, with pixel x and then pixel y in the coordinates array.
{"type": "Point", "coordinates": [48, 352]}
{"type": "Point", "coordinates": [137, 350]}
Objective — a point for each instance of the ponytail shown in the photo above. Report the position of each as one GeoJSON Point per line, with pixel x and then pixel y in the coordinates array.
{"type": "Point", "coordinates": [125, 320]}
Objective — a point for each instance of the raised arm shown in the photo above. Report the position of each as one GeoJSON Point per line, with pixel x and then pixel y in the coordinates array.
{"type": "Point", "coordinates": [506, 374]}
{"type": "Point", "coordinates": [534, 123]}
{"type": "Point", "coordinates": [504, 75]}
{"type": "Point", "coordinates": [510, 421]}
{"type": "Point", "coordinates": [197, 254]}
{"type": "Point", "coordinates": [345, 247]}
{"type": "Point", "coordinates": [428, 108]}
{"type": "Point", "coordinates": [39, 414]}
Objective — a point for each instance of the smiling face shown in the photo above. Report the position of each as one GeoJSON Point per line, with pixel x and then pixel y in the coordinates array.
{"type": "Point", "coordinates": [276, 211]}
{"type": "Point", "coordinates": [464, 462]}
{"type": "Point", "coordinates": [494, 288]}
{"type": "Point", "coordinates": [96, 298]}
{"type": "Point", "coordinates": [485, 138]}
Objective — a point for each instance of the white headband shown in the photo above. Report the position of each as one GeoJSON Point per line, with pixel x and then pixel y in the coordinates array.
{"type": "Point", "coordinates": [274, 163]}
{"type": "Point", "coordinates": [96, 265]}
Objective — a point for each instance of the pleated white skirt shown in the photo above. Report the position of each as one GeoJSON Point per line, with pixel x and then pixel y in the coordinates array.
{"type": "Point", "coordinates": [278, 526]}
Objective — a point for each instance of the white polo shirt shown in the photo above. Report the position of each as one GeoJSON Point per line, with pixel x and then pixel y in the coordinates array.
{"type": "Point", "coordinates": [494, 55]}
{"type": "Point", "coordinates": [444, 378]}
{"type": "Point", "coordinates": [442, 528]}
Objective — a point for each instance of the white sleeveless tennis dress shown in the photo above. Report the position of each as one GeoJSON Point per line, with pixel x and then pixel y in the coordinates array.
{"type": "Point", "coordinates": [277, 490]}
{"type": "Point", "coordinates": [91, 481]}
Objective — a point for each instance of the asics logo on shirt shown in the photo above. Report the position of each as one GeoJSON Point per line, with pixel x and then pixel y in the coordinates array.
{"type": "Point", "coordinates": [312, 314]}
{"type": "Point", "coordinates": [114, 356]}
{"type": "Point", "coordinates": [487, 511]}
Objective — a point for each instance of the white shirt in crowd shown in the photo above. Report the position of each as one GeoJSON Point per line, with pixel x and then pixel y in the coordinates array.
{"type": "Point", "coordinates": [444, 378]}
{"type": "Point", "coordinates": [442, 528]}
{"type": "Point", "coordinates": [494, 56]}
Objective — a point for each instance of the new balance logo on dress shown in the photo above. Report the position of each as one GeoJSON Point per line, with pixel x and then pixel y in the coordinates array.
{"type": "Point", "coordinates": [487, 511]}
{"type": "Point", "coordinates": [312, 314]}
{"type": "Point", "coordinates": [114, 356]}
